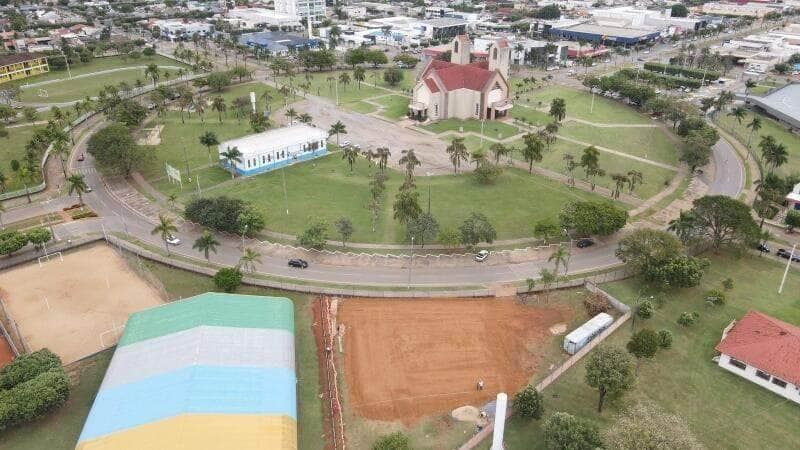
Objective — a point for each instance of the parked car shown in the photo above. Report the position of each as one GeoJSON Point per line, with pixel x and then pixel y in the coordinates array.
{"type": "Point", "coordinates": [81, 157]}
{"type": "Point", "coordinates": [764, 248]}
{"type": "Point", "coordinates": [172, 240]}
{"type": "Point", "coordinates": [481, 255]}
{"type": "Point", "coordinates": [298, 263]}
{"type": "Point", "coordinates": [585, 242]}
{"type": "Point", "coordinates": [783, 253]}
{"type": "Point", "coordinates": [88, 188]}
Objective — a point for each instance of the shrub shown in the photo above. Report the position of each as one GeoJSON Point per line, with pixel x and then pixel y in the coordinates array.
{"type": "Point", "coordinates": [224, 214]}
{"type": "Point", "coordinates": [38, 236]}
{"type": "Point", "coordinates": [680, 70]}
{"type": "Point", "coordinates": [593, 218]}
{"type": "Point", "coordinates": [596, 304]}
{"type": "Point", "coordinates": [228, 279]}
{"type": "Point", "coordinates": [31, 399]}
{"type": "Point", "coordinates": [394, 441]}
{"type": "Point", "coordinates": [645, 310]}
{"type": "Point", "coordinates": [565, 431]}
{"type": "Point", "coordinates": [27, 367]}
{"type": "Point", "coordinates": [688, 319]}
{"type": "Point", "coordinates": [727, 283]}
{"type": "Point", "coordinates": [488, 173]}
{"type": "Point", "coordinates": [665, 338]}
{"type": "Point", "coordinates": [529, 403]}
{"type": "Point", "coordinates": [315, 235]}
{"type": "Point", "coordinates": [11, 241]}
{"type": "Point", "coordinates": [715, 297]}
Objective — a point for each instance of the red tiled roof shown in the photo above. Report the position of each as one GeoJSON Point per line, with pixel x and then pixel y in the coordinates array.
{"type": "Point", "coordinates": [432, 85]}
{"type": "Point", "coordinates": [766, 343]}
{"type": "Point", "coordinates": [435, 64]}
{"type": "Point", "coordinates": [481, 65]}
{"type": "Point", "coordinates": [468, 76]}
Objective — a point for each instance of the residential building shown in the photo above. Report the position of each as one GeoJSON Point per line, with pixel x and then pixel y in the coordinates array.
{"type": "Point", "coordinates": [276, 148]}
{"type": "Point", "coordinates": [764, 351]}
{"type": "Point", "coordinates": [462, 88]}
{"type": "Point", "coordinates": [315, 9]}
{"type": "Point", "coordinates": [22, 65]}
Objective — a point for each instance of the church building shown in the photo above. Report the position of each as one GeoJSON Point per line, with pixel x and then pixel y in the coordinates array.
{"type": "Point", "coordinates": [462, 88]}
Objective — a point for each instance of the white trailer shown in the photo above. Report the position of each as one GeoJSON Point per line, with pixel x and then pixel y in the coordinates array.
{"type": "Point", "coordinates": [586, 332]}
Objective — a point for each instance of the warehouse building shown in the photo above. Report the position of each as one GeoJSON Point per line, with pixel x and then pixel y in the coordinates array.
{"type": "Point", "coordinates": [278, 43]}
{"type": "Point", "coordinates": [23, 65]}
{"type": "Point", "coordinates": [209, 372]}
{"type": "Point", "coordinates": [782, 104]}
{"type": "Point", "coordinates": [607, 35]}
{"type": "Point", "coordinates": [273, 149]}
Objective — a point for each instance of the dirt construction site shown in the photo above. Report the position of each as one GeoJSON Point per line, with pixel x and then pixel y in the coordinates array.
{"type": "Point", "coordinates": [76, 304]}
{"type": "Point", "coordinates": [407, 359]}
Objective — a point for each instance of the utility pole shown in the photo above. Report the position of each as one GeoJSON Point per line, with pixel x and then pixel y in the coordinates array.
{"type": "Point", "coordinates": [285, 195]}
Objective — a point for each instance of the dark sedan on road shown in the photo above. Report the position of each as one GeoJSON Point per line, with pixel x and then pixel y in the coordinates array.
{"type": "Point", "coordinates": [298, 263]}
{"type": "Point", "coordinates": [785, 254]}
{"type": "Point", "coordinates": [585, 242]}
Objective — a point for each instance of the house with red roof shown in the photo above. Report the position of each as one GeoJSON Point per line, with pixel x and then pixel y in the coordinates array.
{"type": "Point", "coordinates": [765, 351]}
{"type": "Point", "coordinates": [462, 88]}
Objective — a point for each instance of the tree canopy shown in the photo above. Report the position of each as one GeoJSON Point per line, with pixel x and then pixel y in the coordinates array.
{"type": "Point", "coordinates": [588, 218]}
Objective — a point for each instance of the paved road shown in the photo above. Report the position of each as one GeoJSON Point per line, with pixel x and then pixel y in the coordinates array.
{"type": "Point", "coordinates": [729, 176]}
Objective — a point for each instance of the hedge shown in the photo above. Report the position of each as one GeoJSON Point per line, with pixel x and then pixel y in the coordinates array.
{"type": "Point", "coordinates": [28, 367]}
{"type": "Point", "coordinates": [680, 70]}
{"type": "Point", "coordinates": [668, 81]}
{"type": "Point", "coordinates": [32, 399]}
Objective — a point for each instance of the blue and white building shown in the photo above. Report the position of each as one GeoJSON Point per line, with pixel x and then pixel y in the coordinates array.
{"type": "Point", "coordinates": [276, 148]}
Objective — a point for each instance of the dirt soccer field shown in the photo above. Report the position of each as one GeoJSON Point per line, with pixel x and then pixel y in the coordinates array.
{"type": "Point", "coordinates": [405, 359]}
{"type": "Point", "coordinates": [75, 307]}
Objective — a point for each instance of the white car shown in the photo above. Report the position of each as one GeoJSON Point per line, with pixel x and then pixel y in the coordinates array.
{"type": "Point", "coordinates": [482, 255]}
{"type": "Point", "coordinates": [345, 143]}
{"type": "Point", "coordinates": [172, 240]}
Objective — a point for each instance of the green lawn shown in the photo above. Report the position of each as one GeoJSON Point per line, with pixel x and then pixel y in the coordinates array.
{"type": "Point", "coordinates": [491, 128]}
{"type": "Point", "coordinates": [76, 89]}
{"type": "Point", "coordinates": [768, 127]}
{"type": "Point", "coordinates": [396, 106]}
{"type": "Point", "coordinates": [360, 107]}
{"type": "Point", "coordinates": [579, 105]}
{"type": "Point", "coordinates": [722, 409]}
{"type": "Point", "coordinates": [13, 147]}
{"type": "Point", "coordinates": [325, 189]}
{"type": "Point", "coordinates": [531, 115]}
{"type": "Point", "coordinates": [649, 143]}
{"type": "Point", "coordinates": [655, 178]}
{"type": "Point", "coordinates": [60, 430]}
{"type": "Point", "coordinates": [323, 84]}
{"type": "Point", "coordinates": [177, 136]}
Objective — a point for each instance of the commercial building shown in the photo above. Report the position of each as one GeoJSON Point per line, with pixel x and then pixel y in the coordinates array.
{"type": "Point", "coordinates": [278, 43]}
{"type": "Point", "coordinates": [273, 149]}
{"type": "Point", "coordinates": [209, 372]}
{"type": "Point", "coordinates": [261, 17]}
{"type": "Point", "coordinates": [764, 351]}
{"type": "Point", "coordinates": [177, 30]}
{"type": "Point", "coordinates": [607, 35]}
{"type": "Point", "coordinates": [782, 104]}
{"type": "Point", "coordinates": [737, 9]}
{"type": "Point", "coordinates": [22, 65]}
{"type": "Point", "coordinates": [314, 9]}
{"type": "Point", "coordinates": [658, 19]}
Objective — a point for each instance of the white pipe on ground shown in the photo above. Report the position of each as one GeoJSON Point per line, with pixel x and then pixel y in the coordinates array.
{"type": "Point", "coordinates": [499, 421]}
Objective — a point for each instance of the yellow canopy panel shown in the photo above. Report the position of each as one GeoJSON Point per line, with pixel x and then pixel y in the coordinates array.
{"type": "Point", "coordinates": [204, 432]}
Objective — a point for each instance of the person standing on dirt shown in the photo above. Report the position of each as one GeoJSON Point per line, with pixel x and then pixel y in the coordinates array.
{"type": "Point", "coordinates": [480, 385]}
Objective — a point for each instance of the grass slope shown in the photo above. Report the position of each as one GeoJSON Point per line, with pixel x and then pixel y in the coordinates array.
{"type": "Point", "coordinates": [13, 147]}
{"type": "Point", "coordinates": [494, 129]}
{"type": "Point", "coordinates": [768, 127]}
{"type": "Point", "coordinates": [579, 104]}
{"type": "Point", "coordinates": [396, 106]}
{"type": "Point", "coordinates": [649, 143]}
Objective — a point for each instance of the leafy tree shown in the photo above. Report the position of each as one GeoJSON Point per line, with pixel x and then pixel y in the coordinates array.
{"type": "Point", "coordinates": [345, 228]}
{"type": "Point", "coordinates": [679, 10]}
{"type": "Point", "coordinates": [424, 228]}
{"type": "Point", "coordinates": [477, 228]}
{"type": "Point", "coordinates": [680, 272]}
{"type": "Point", "coordinates": [593, 218]}
{"type": "Point", "coordinates": [643, 344]}
{"type": "Point", "coordinates": [529, 403]}
{"type": "Point", "coordinates": [406, 205]}
{"type": "Point", "coordinates": [206, 243]}
{"type": "Point", "coordinates": [563, 431]}
{"type": "Point", "coordinates": [11, 241]}
{"type": "Point", "coordinates": [532, 150]}
{"type": "Point", "coordinates": [219, 80]}
{"type": "Point", "coordinates": [393, 441]}
{"type": "Point", "coordinates": [38, 237]}
{"type": "Point", "coordinates": [646, 426]}
{"type": "Point", "coordinates": [228, 279]}
{"type": "Point", "coordinates": [722, 221]}
{"type": "Point", "coordinates": [449, 237]}
{"type": "Point", "coordinates": [549, 12]}
{"type": "Point", "coordinates": [165, 228]}
{"type": "Point", "coordinates": [393, 76]}
{"type": "Point", "coordinates": [127, 112]}
{"type": "Point", "coordinates": [547, 229]}
{"type": "Point", "coordinates": [315, 235]}
{"type": "Point", "coordinates": [792, 220]}
{"type": "Point", "coordinates": [665, 338]}
{"type": "Point", "coordinates": [115, 150]}
{"type": "Point", "coordinates": [488, 173]}
{"type": "Point", "coordinates": [697, 146]}
{"type": "Point", "coordinates": [688, 319]}
{"type": "Point", "coordinates": [645, 249]}
{"type": "Point", "coordinates": [610, 371]}
{"type": "Point", "coordinates": [558, 109]}
{"type": "Point", "coordinates": [645, 309]}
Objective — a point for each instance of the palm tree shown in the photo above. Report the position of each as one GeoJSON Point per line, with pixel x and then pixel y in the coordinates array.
{"type": "Point", "coordinates": [218, 104]}
{"type": "Point", "coordinates": [359, 75]}
{"type": "Point", "coordinates": [337, 129]}
{"type": "Point", "coordinates": [209, 139]}
{"type": "Point", "coordinates": [410, 161]}
{"type": "Point", "coordinates": [558, 109]}
{"type": "Point", "coordinates": [498, 150]}
{"type": "Point", "coordinates": [305, 118]}
{"type": "Point", "coordinates": [748, 85]}
{"type": "Point", "coordinates": [560, 257]}
{"type": "Point", "coordinates": [532, 150]}
{"type": "Point", "coordinates": [166, 227]}
{"type": "Point", "coordinates": [77, 184]}
{"type": "Point", "coordinates": [550, 133]}
{"type": "Point", "coordinates": [290, 113]}
{"type": "Point", "coordinates": [152, 72]}
{"type": "Point", "coordinates": [232, 156]}
{"type": "Point", "coordinates": [634, 177]}
{"type": "Point", "coordinates": [458, 152]}
{"type": "Point", "coordinates": [206, 243]}
{"type": "Point", "coordinates": [774, 153]}
{"type": "Point", "coordinates": [249, 259]}
{"type": "Point", "coordinates": [619, 181]}
{"type": "Point", "coordinates": [383, 154]}
{"type": "Point", "coordinates": [61, 150]}
{"type": "Point", "coordinates": [754, 126]}
{"type": "Point", "coordinates": [350, 154]}
{"type": "Point", "coordinates": [267, 97]}
{"type": "Point", "coordinates": [590, 161]}
{"type": "Point", "coordinates": [739, 113]}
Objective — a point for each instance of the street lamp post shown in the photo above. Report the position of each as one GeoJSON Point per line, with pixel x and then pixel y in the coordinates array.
{"type": "Point", "coordinates": [69, 72]}
{"type": "Point", "coordinates": [244, 232]}
{"type": "Point", "coordinates": [411, 263]}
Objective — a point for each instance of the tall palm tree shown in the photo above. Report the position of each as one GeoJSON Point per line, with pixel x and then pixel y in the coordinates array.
{"type": "Point", "coordinates": [249, 259]}
{"type": "Point", "coordinates": [558, 109]}
{"type": "Point", "coordinates": [634, 177]}
{"type": "Point", "coordinates": [232, 156]}
{"type": "Point", "coordinates": [200, 104]}
{"type": "Point", "coordinates": [739, 113]}
{"type": "Point", "coordinates": [350, 153]}
{"type": "Point", "coordinates": [206, 243]}
{"type": "Point", "coordinates": [218, 105]}
{"type": "Point", "coordinates": [209, 139]}
{"type": "Point", "coordinates": [619, 182]}
{"type": "Point", "coordinates": [267, 97]}
{"type": "Point", "coordinates": [152, 72]}
{"type": "Point", "coordinates": [359, 74]}
{"type": "Point", "coordinates": [410, 161]}
{"type": "Point", "coordinates": [498, 150]}
{"type": "Point", "coordinates": [337, 129]}
{"type": "Point", "coordinates": [458, 152]}
{"type": "Point", "coordinates": [560, 257]}
{"type": "Point", "coordinates": [77, 184]}
{"type": "Point", "coordinates": [754, 126]}
{"type": "Point", "coordinates": [165, 228]}
{"type": "Point", "coordinates": [61, 150]}
{"type": "Point", "coordinates": [748, 85]}
{"type": "Point", "coordinates": [383, 154]}
{"type": "Point", "coordinates": [305, 118]}
{"type": "Point", "coordinates": [290, 113]}
{"type": "Point", "coordinates": [532, 150]}
{"type": "Point", "coordinates": [774, 153]}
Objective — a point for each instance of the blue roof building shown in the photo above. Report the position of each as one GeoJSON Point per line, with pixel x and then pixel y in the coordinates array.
{"type": "Point", "coordinates": [279, 42]}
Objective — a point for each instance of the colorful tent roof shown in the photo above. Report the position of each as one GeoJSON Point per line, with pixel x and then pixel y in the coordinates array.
{"type": "Point", "coordinates": [211, 371]}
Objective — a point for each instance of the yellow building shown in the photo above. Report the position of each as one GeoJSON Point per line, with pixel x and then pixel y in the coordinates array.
{"type": "Point", "coordinates": [22, 65]}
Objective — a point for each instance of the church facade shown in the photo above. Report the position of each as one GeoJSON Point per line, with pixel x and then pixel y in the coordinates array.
{"type": "Point", "coordinates": [462, 88]}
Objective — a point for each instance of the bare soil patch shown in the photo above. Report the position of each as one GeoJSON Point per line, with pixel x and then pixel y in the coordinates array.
{"type": "Point", "coordinates": [406, 359]}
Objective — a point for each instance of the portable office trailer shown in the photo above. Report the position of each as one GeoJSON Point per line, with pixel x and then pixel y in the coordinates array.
{"type": "Point", "coordinates": [586, 332]}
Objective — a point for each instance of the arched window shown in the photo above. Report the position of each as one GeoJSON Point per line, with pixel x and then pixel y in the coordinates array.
{"type": "Point", "coordinates": [455, 47]}
{"type": "Point", "coordinates": [494, 53]}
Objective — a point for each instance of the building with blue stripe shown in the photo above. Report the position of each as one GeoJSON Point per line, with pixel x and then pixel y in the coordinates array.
{"type": "Point", "coordinates": [274, 149]}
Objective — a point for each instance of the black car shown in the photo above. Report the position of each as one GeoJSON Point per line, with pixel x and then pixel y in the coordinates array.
{"type": "Point", "coordinates": [299, 263]}
{"type": "Point", "coordinates": [585, 242]}
{"type": "Point", "coordinates": [783, 253]}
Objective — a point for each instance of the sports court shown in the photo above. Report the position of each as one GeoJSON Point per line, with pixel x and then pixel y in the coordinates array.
{"type": "Point", "coordinates": [75, 306]}
{"type": "Point", "coordinates": [406, 359]}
